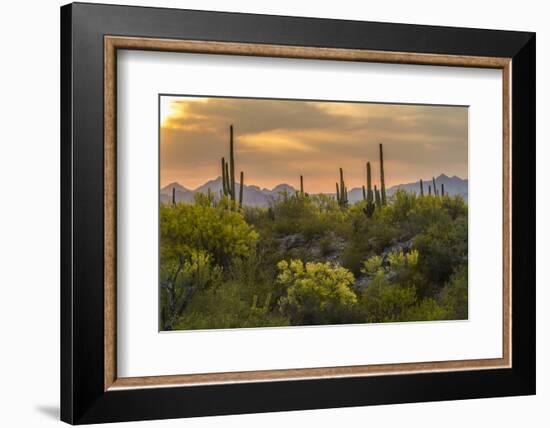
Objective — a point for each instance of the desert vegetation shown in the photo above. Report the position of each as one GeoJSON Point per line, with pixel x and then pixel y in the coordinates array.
{"type": "Point", "coordinates": [313, 259]}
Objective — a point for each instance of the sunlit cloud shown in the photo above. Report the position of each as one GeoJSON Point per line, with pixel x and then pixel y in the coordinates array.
{"type": "Point", "coordinates": [276, 141]}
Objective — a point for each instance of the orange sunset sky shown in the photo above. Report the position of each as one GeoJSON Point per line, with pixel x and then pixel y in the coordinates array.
{"type": "Point", "coordinates": [276, 141]}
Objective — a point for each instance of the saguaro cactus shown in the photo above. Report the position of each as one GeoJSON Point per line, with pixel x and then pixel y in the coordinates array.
{"type": "Point", "coordinates": [231, 163]}
{"type": "Point", "coordinates": [369, 207]}
{"type": "Point", "coordinates": [430, 189]}
{"type": "Point", "coordinates": [369, 184]}
{"type": "Point", "coordinates": [224, 178]}
{"type": "Point", "coordinates": [241, 187]}
{"type": "Point", "coordinates": [382, 181]}
{"type": "Point", "coordinates": [442, 190]}
{"type": "Point", "coordinates": [228, 173]}
{"type": "Point", "coordinates": [174, 196]}
{"type": "Point", "coordinates": [228, 185]}
{"type": "Point", "coordinates": [342, 191]}
{"type": "Point", "coordinates": [421, 188]}
{"type": "Point", "coordinates": [301, 185]}
{"type": "Point", "coordinates": [435, 187]}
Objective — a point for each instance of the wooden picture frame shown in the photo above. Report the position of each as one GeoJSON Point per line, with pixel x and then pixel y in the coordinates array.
{"type": "Point", "coordinates": [91, 390]}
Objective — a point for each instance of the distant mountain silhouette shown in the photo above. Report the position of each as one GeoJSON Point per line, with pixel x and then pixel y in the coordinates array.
{"type": "Point", "coordinates": [453, 186]}
{"type": "Point", "coordinates": [255, 196]}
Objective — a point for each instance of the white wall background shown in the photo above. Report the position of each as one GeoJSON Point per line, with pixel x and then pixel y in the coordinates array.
{"type": "Point", "coordinates": [29, 214]}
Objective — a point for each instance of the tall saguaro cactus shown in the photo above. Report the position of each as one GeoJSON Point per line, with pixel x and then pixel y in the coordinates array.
{"type": "Point", "coordinates": [421, 188]}
{"type": "Point", "coordinates": [442, 190]}
{"type": "Point", "coordinates": [231, 163]}
{"type": "Point", "coordinates": [301, 185]}
{"type": "Point", "coordinates": [228, 173]}
{"type": "Point", "coordinates": [430, 189]}
{"type": "Point", "coordinates": [435, 187]}
{"type": "Point", "coordinates": [174, 196]}
{"type": "Point", "coordinates": [382, 181]}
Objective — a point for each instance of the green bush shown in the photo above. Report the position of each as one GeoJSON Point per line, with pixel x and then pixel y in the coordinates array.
{"type": "Point", "coordinates": [221, 265]}
{"type": "Point", "coordinates": [180, 280]}
{"type": "Point", "coordinates": [316, 293]}
{"type": "Point", "coordinates": [444, 247]}
{"type": "Point", "coordinates": [454, 296]}
{"type": "Point", "coordinates": [221, 232]}
{"type": "Point", "coordinates": [391, 291]}
{"type": "Point", "coordinates": [226, 307]}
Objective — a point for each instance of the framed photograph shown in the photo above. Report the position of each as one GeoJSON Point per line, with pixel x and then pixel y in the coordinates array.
{"type": "Point", "coordinates": [265, 213]}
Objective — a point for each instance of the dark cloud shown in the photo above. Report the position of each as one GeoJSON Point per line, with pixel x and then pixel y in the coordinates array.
{"type": "Point", "coordinates": [278, 140]}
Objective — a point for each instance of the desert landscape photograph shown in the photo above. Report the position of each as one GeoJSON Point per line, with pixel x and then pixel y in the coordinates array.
{"type": "Point", "coordinates": [277, 213]}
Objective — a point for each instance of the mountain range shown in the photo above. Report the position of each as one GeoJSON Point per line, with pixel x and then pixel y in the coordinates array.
{"type": "Point", "coordinates": [256, 196]}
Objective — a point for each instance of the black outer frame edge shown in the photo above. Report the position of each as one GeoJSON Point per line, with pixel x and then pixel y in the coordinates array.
{"type": "Point", "coordinates": [82, 397]}
{"type": "Point", "coordinates": [524, 213]}
{"type": "Point", "coordinates": [299, 31]}
{"type": "Point", "coordinates": [66, 306]}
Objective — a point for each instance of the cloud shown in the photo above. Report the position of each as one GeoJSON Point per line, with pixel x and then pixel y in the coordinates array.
{"type": "Point", "coordinates": [277, 140]}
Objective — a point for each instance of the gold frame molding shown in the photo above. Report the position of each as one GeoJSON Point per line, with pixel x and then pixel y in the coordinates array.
{"type": "Point", "coordinates": [113, 43]}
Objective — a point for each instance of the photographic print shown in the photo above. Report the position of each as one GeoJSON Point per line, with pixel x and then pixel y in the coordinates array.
{"type": "Point", "coordinates": [278, 212]}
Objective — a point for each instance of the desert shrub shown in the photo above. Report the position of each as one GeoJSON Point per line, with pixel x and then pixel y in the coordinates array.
{"type": "Point", "coordinates": [426, 310]}
{"type": "Point", "coordinates": [365, 236]}
{"type": "Point", "coordinates": [221, 232]}
{"type": "Point", "coordinates": [389, 292]}
{"type": "Point", "coordinates": [444, 247]}
{"type": "Point", "coordinates": [454, 296]}
{"type": "Point", "coordinates": [256, 276]}
{"type": "Point", "coordinates": [316, 293]}
{"type": "Point", "coordinates": [180, 279]}
{"type": "Point", "coordinates": [402, 204]}
{"type": "Point", "coordinates": [455, 206]}
{"type": "Point", "coordinates": [383, 301]}
{"type": "Point", "coordinates": [353, 256]}
{"type": "Point", "coordinates": [307, 215]}
{"type": "Point", "coordinates": [226, 307]}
